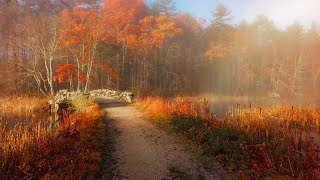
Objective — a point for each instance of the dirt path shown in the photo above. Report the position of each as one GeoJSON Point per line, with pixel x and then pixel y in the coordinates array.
{"type": "Point", "coordinates": [143, 151]}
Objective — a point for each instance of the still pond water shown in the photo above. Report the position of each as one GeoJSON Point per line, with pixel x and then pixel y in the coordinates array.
{"type": "Point", "coordinates": [221, 106]}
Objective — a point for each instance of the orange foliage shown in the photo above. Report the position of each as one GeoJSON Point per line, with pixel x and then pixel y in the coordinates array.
{"type": "Point", "coordinates": [234, 44]}
{"type": "Point", "coordinates": [69, 72]}
{"type": "Point", "coordinates": [120, 17]}
{"type": "Point", "coordinates": [65, 72]}
{"type": "Point", "coordinates": [83, 31]}
{"type": "Point", "coordinates": [120, 22]}
{"type": "Point", "coordinates": [155, 31]}
{"type": "Point", "coordinates": [82, 27]}
{"type": "Point", "coordinates": [177, 106]}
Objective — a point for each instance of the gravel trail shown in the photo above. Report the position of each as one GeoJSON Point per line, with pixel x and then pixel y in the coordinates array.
{"type": "Point", "coordinates": [139, 150]}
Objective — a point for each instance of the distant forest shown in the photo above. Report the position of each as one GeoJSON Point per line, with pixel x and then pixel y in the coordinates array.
{"type": "Point", "coordinates": [151, 49]}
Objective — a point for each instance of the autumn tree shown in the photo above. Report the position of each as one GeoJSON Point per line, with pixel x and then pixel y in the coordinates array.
{"type": "Point", "coordinates": [45, 51]}
{"type": "Point", "coordinates": [68, 73]}
{"type": "Point", "coordinates": [157, 32]}
{"type": "Point", "coordinates": [82, 34]}
{"type": "Point", "coordinates": [33, 46]}
{"type": "Point", "coordinates": [120, 18]}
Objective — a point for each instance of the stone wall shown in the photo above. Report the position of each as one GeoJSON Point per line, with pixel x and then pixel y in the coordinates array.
{"type": "Point", "coordinates": [63, 99]}
{"type": "Point", "coordinates": [119, 95]}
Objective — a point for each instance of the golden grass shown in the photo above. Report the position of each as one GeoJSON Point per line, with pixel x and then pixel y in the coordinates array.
{"type": "Point", "coordinates": [30, 148]}
{"type": "Point", "coordinates": [293, 128]}
{"type": "Point", "coordinates": [21, 110]}
{"type": "Point", "coordinates": [189, 106]}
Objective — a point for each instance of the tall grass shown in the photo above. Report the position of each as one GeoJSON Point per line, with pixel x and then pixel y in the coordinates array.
{"type": "Point", "coordinates": [21, 110]}
{"type": "Point", "coordinates": [33, 149]}
{"type": "Point", "coordinates": [291, 133]}
{"type": "Point", "coordinates": [253, 142]}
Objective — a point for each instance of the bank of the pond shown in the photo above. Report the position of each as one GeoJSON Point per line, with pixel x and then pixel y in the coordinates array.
{"type": "Point", "coordinates": [273, 142]}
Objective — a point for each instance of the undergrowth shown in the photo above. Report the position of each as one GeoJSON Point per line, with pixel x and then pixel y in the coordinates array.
{"type": "Point", "coordinates": [69, 150]}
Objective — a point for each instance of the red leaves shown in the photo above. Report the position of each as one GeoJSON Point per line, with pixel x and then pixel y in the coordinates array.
{"type": "Point", "coordinates": [82, 27]}
{"type": "Point", "coordinates": [201, 138]}
{"type": "Point", "coordinates": [121, 13]}
{"type": "Point", "coordinates": [259, 156]}
{"type": "Point", "coordinates": [84, 30]}
{"type": "Point", "coordinates": [69, 72]}
{"type": "Point", "coordinates": [119, 18]}
{"type": "Point", "coordinates": [65, 72]}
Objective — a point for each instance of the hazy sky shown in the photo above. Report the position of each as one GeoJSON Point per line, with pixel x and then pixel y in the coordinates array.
{"type": "Point", "coordinates": [281, 12]}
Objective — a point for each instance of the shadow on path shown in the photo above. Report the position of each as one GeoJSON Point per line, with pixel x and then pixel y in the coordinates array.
{"type": "Point", "coordinates": [110, 103]}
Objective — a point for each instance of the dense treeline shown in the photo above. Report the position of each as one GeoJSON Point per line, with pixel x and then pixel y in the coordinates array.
{"type": "Point", "coordinates": [151, 49]}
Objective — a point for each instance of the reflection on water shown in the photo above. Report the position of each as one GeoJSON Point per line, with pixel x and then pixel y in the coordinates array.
{"type": "Point", "coordinates": [221, 106]}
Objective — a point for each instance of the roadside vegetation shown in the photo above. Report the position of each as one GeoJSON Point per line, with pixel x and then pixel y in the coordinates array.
{"type": "Point", "coordinates": [275, 142]}
{"type": "Point", "coordinates": [34, 146]}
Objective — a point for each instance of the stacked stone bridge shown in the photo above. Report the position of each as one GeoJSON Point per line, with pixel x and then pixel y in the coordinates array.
{"type": "Point", "coordinates": [62, 100]}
